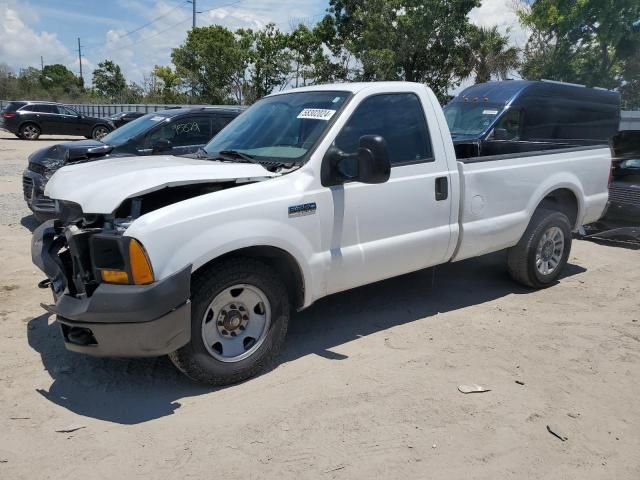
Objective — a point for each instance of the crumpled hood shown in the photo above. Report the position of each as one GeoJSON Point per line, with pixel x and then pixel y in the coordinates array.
{"type": "Point", "coordinates": [100, 187]}
{"type": "Point", "coordinates": [57, 155]}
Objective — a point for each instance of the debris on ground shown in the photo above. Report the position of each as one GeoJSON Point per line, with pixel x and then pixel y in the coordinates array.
{"type": "Point", "coordinates": [573, 415]}
{"type": "Point", "coordinates": [472, 388]}
{"type": "Point", "coordinates": [71, 429]}
{"type": "Point", "coordinates": [519, 382]}
{"type": "Point", "coordinates": [557, 433]}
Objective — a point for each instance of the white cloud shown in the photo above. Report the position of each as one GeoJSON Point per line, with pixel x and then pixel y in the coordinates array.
{"type": "Point", "coordinates": [503, 14]}
{"type": "Point", "coordinates": [21, 46]}
{"type": "Point", "coordinates": [138, 52]}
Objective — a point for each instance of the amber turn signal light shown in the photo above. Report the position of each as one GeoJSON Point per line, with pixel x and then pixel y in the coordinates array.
{"type": "Point", "coordinates": [141, 270]}
{"type": "Point", "coordinates": [114, 276]}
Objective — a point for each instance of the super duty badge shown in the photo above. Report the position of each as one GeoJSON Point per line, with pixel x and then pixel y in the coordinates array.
{"type": "Point", "coordinates": [301, 210]}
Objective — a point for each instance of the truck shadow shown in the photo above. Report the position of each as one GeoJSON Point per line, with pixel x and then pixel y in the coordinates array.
{"type": "Point", "coordinates": [136, 391]}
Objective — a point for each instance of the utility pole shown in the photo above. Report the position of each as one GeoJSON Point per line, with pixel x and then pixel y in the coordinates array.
{"type": "Point", "coordinates": [41, 64]}
{"type": "Point", "coordinates": [193, 2]}
{"type": "Point", "coordinates": [80, 60]}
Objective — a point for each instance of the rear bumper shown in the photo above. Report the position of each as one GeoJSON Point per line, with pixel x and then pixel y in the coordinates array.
{"type": "Point", "coordinates": [116, 320]}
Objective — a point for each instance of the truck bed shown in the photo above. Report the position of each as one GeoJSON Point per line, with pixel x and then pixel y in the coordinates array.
{"type": "Point", "coordinates": [500, 193]}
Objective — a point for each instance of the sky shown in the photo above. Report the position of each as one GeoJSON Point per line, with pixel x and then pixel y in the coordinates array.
{"type": "Point", "coordinates": [138, 34]}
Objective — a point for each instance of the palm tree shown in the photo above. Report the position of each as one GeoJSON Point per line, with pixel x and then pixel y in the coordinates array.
{"type": "Point", "coordinates": [491, 55]}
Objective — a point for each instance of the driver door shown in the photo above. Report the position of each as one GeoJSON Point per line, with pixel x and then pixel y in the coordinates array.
{"type": "Point", "coordinates": [383, 230]}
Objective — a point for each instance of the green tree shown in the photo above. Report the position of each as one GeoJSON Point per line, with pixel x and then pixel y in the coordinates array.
{"type": "Point", "coordinates": [29, 84]}
{"type": "Point", "coordinates": [586, 41]}
{"type": "Point", "coordinates": [108, 80]}
{"type": "Point", "coordinates": [8, 82]}
{"type": "Point", "coordinates": [169, 83]}
{"type": "Point", "coordinates": [270, 61]}
{"type": "Point", "coordinates": [630, 89]}
{"type": "Point", "coordinates": [491, 56]}
{"type": "Point", "coordinates": [414, 40]}
{"type": "Point", "coordinates": [58, 78]}
{"type": "Point", "coordinates": [209, 61]}
{"type": "Point", "coordinates": [316, 58]}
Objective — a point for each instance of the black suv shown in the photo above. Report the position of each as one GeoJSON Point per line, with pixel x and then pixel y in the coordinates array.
{"type": "Point", "coordinates": [28, 120]}
{"type": "Point", "coordinates": [177, 131]}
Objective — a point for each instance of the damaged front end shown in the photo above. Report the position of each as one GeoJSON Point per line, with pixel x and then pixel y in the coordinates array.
{"type": "Point", "coordinates": [103, 303]}
{"type": "Point", "coordinates": [107, 299]}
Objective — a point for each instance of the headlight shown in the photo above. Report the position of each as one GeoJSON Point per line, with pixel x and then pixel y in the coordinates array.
{"type": "Point", "coordinates": [121, 260]}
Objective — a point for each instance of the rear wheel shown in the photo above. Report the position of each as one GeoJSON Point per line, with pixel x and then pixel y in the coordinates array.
{"type": "Point", "coordinates": [29, 131]}
{"type": "Point", "coordinates": [542, 252]}
{"type": "Point", "coordinates": [239, 318]}
{"type": "Point", "coordinates": [99, 132]}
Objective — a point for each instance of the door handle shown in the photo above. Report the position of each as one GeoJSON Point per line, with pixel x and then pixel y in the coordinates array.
{"type": "Point", "coordinates": [442, 188]}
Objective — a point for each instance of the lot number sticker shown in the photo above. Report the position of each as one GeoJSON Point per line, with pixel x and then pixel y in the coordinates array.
{"type": "Point", "coordinates": [317, 114]}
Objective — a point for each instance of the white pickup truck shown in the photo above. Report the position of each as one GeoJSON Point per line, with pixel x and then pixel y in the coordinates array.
{"type": "Point", "coordinates": [310, 192]}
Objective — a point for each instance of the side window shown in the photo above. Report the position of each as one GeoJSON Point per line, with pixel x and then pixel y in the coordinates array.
{"type": "Point", "coordinates": [399, 119]}
{"type": "Point", "coordinates": [28, 108]}
{"type": "Point", "coordinates": [46, 108]}
{"type": "Point", "coordinates": [219, 122]}
{"type": "Point", "coordinates": [182, 132]}
{"type": "Point", "coordinates": [67, 111]}
{"type": "Point", "coordinates": [510, 123]}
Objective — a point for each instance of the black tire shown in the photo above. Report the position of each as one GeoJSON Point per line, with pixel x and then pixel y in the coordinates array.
{"type": "Point", "coordinates": [18, 135]}
{"type": "Point", "coordinates": [99, 131]}
{"type": "Point", "coordinates": [522, 257]}
{"type": "Point", "coordinates": [29, 131]}
{"type": "Point", "coordinates": [195, 361]}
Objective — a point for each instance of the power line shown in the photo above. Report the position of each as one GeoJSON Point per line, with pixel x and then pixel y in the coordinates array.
{"type": "Point", "coordinates": [151, 22]}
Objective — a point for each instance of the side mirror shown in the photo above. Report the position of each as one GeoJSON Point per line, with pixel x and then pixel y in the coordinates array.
{"type": "Point", "coordinates": [162, 145]}
{"type": "Point", "coordinates": [500, 134]}
{"type": "Point", "coordinates": [373, 160]}
{"type": "Point", "coordinates": [370, 165]}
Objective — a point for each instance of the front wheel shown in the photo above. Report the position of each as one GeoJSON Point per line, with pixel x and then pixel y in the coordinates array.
{"type": "Point", "coordinates": [542, 252]}
{"type": "Point", "coordinates": [99, 132]}
{"type": "Point", "coordinates": [239, 318]}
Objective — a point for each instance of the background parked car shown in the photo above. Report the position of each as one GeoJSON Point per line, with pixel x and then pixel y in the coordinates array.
{"type": "Point", "coordinates": [622, 218]}
{"type": "Point", "coordinates": [28, 120]}
{"type": "Point", "coordinates": [175, 132]}
{"type": "Point", "coordinates": [119, 119]}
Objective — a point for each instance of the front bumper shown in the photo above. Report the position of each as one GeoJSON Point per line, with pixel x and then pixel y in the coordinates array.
{"type": "Point", "coordinates": [116, 320]}
{"type": "Point", "coordinates": [33, 190]}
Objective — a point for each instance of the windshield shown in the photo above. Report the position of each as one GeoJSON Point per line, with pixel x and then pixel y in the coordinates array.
{"type": "Point", "coordinates": [282, 128]}
{"type": "Point", "coordinates": [132, 129]}
{"type": "Point", "coordinates": [470, 118]}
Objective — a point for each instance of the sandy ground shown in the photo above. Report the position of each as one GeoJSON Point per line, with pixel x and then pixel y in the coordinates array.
{"type": "Point", "coordinates": [367, 387]}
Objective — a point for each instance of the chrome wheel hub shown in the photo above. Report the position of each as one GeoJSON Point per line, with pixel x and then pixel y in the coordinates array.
{"type": "Point", "coordinates": [30, 132]}
{"type": "Point", "coordinates": [236, 323]}
{"type": "Point", "coordinates": [550, 251]}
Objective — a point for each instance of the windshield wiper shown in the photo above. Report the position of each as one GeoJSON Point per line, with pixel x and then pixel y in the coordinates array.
{"type": "Point", "coordinates": [239, 157]}
{"type": "Point", "coordinates": [236, 154]}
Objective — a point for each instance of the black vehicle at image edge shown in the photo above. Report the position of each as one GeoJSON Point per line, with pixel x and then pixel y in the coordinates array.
{"type": "Point", "coordinates": [178, 131]}
{"type": "Point", "coordinates": [28, 120]}
{"type": "Point", "coordinates": [119, 119]}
